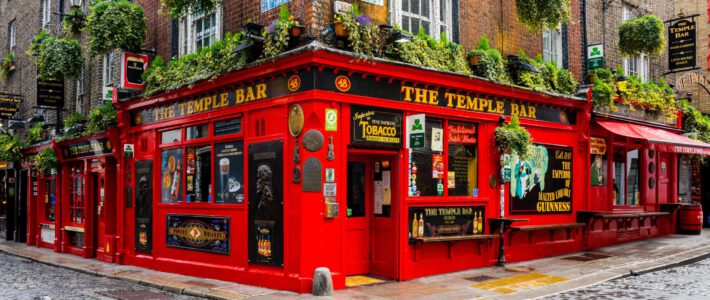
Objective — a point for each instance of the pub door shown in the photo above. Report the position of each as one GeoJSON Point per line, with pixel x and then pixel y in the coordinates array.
{"type": "Point", "coordinates": [664, 167]}
{"type": "Point", "coordinates": [370, 242]}
{"type": "Point", "coordinates": [21, 204]}
{"type": "Point", "coordinates": [103, 181]}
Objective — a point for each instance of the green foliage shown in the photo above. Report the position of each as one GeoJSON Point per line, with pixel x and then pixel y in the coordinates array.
{"type": "Point", "coordinates": [73, 119]}
{"type": "Point", "coordinates": [101, 118]}
{"type": "Point", "coordinates": [603, 94]}
{"type": "Point", "coordinates": [363, 35]}
{"type": "Point", "coordinates": [530, 79]}
{"type": "Point", "coordinates": [208, 63]}
{"type": "Point", "coordinates": [179, 8]}
{"type": "Point", "coordinates": [513, 137]}
{"type": "Point", "coordinates": [59, 58]}
{"type": "Point", "coordinates": [36, 43]}
{"type": "Point", "coordinates": [550, 78]}
{"type": "Point", "coordinates": [10, 148]}
{"type": "Point", "coordinates": [5, 67]}
{"type": "Point", "coordinates": [35, 134]}
{"type": "Point", "coordinates": [428, 52]}
{"type": "Point", "coordinates": [115, 24]}
{"type": "Point", "coordinates": [695, 121]}
{"type": "Point", "coordinates": [490, 62]}
{"type": "Point", "coordinates": [541, 15]}
{"type": "Point", "coordinates": [46, 161]}
{"type": "Point", "coordinates": [644, 34]}
{"type": "Point", "coordinates": [276, 39]}
{"type": "Point", "coordinates": [75, 20]}
{"type": "Point", "coordinates": [654, 98]}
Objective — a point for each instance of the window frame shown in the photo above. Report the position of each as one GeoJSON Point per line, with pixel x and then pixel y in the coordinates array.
{"type": "Point", "coordinates": [109, 68]}
{"type": "Point", "coordinates": [12, 36]}
{"type": "Point", "coordinates": [187, 30]}
{"type": "Point", "coordinates": [80, 92]}
{"type": "Point", "coordinates": [626, 148]}
{"type": "Point", "coordinates": [641, 63]}
{"type": "Point", "coordinates": [435, 22]}
{"type": "Point", "coordinates": [46, 13]}
{"type": "Point", "coordinates": [552, 51]}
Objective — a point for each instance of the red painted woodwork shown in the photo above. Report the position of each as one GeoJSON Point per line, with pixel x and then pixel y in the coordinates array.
{"type": "Point", "coordinates": [359, 244]}
{"type": "Point", "coordinates": [690, 218]}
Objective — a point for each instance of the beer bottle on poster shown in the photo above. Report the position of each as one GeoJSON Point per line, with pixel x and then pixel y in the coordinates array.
{"type": "Point", "coordinates": [174, 187]}
{"type": "Point", "coordinates": [475, 223]}
{"type": "Point", "coordinates": [415, 227]}
{"type": "Point", "coordinates": [421, 225]}
{"type": "Point", "coordinates": [268, 246]}
{"type": "Point", "coordinates": [480, 222]}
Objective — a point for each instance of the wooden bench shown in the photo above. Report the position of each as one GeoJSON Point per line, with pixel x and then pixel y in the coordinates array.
{"type": "Point", "coordinates": [623, 220]}
{"type": "Point", "coordinates": [552, 228]}
{"type": "Point", "coordinates": [451, 241]}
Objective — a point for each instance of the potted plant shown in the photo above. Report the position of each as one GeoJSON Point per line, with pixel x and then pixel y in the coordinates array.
{"type": "Point", "coordinates": [513, 138]}
{"type": "Point", "coordinates": [8, 65]}
{"type": "Point", "coordinates": [46, 161]}
{"type": "Point", "coordinates": [339, 27]}
{"type": "Point", "coordinates": [10, 148]}
{"type": "Point", "coordinates": [541, 15]}
{"type": "Point", "coordinates": [75, 20]}
{"type": "Point", "coordinates": [644, 34]}
{"type": "Point", "coordinates": [59, 58]}
{"type": "Point", "coordinates": [115, 25]}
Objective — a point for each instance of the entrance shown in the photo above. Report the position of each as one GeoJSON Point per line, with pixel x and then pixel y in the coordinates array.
{"type": "Point", "coordinates": [372, 194]}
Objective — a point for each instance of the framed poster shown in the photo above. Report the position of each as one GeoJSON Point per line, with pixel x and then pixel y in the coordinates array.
{"type": "Point", "coordinates": [266, 203]}
{"type": "Point", "coordinates": [446, 221]}
{"type": "Point", "coordinates": [542, 183]}
{"type": "Point", "coordinates": [202, 233]}
{"type": "Point", "coordinates": [170, 187]}
{"type": "Point", "coordinates": [229, 172]}
{"type": "Point", "coordinates": [373, 126]}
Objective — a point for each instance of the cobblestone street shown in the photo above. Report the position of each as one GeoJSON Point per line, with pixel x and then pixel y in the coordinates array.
{"type": "Point", "coordinates": [683, 282]}
{"type": "Point", "coordinates": [21, 278]}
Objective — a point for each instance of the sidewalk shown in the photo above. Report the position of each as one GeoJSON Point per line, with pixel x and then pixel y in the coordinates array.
{"type": "Point", "coordinates": [524, 280]}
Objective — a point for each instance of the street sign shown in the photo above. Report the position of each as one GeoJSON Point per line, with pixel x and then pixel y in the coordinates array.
{"type": "Point", "coordinates": [595, 56]}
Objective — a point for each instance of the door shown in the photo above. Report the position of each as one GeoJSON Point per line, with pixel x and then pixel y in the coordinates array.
{"type": "Point", "coordinates": [21, 205]}
{"type": "Point", "coordinates": [144, 206]}
{"type": "Point", "coordinates": [357, 248]}
{"type": "Point", "coordinates": [664, 171]}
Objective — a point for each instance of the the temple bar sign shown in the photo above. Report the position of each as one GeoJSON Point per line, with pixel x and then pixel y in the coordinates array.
{"type": "Point", "coordinates": [681, 45]}
{"type": "Point", "coordinates": [132, 67]}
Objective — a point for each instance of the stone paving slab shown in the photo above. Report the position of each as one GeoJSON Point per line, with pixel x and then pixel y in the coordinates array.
{"type": "Point", "coordinates": [547, 276]}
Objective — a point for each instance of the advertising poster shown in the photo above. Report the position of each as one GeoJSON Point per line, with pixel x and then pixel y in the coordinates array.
{"type": "Point", "coordinates": [170, 187]}
{"type": "Point", "coordinates": [229, 172]}
{"type": "Point", "coordinates": [437, 166]}
{"type": "Point", "coordinates": [542, 183]}
{"type": "Point", "coordinates": [266, 203]}
{"type": "Point", "coordinates": [376, 126]}
{"type": "Point", "coordinates": [598, 159]}
{"type": "Point", "coordinates": [202, 233]}
{"type": "Point", "coordinates": [446, 221]}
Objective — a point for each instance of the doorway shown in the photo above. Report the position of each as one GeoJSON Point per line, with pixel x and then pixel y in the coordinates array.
{"type": "Point", "coordinates": [371, 246]}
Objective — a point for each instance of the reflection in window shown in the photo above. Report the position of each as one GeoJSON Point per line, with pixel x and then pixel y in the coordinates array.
{"type": "Point", "coordinates": [229, 172]}
{"type": "Point", "coordinates": [198, 178]}
{"type": "Point", "coordinates": [170, 176]}
{"type": "Point", "coordinates": [196, 132]}
{"type": "Point", "coordinates": [620, 176]}
{"type": "Point", "coordinates": [462, 170]}
{"type": "Point", "coordinates": [228, 126]}
{"type": "Point", "coordinates": [76, 195]}
{"type": "Point", "coordinates": [171, 136]}
{"type": "Point", "coordinates": [632, 179]}
{"type": "Point", "coordinates": [626, 176]}
{"type": "Point", "coordinates": [356, 189]}
{"type": "Point", "coordinates": [427, 165]}
{"type": "Point", "coordinates": [50, 200]}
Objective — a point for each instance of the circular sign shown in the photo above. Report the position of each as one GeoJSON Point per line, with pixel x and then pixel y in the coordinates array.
{"type": "Point", "coordinates": [295, 120]}
{"type": "Point", "coordinates": [563, 117]}
{"type": "Point", "coordinates": [294, 83]}
{"type": "Point", "coordinates": [313, 140]}
{"type": "Point", "coordinates": [342, 83]}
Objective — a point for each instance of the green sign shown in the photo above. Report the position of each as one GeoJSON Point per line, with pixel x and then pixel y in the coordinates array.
{"type": "Point", "coordinates": [595, 56]}
{"type": "Point", "coordinates": [416, 140]}
{"type": "Point", "coordinates": [331, 119]}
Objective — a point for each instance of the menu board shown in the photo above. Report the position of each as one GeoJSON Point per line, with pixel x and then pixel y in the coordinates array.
{"type": "Point", "coordinates": [229, 172]}
{"type": "Point", "coordinates": [542, 183]}
{"type": "Point", "coordinates": [446, 221]}
{"type": "Point", "coordinates": [375, 126]}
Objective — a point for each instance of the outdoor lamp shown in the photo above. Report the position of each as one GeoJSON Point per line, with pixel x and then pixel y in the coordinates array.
{"type": "Point", "coordinates": [16, 125]}
{"type": "Point", "coordinates": [36, 118]}
{"type": "Point", "coordinates": [399, 37]}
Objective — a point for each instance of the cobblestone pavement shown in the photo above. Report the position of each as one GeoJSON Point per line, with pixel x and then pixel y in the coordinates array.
{"type": "Point", "coordinates": [21, 278]}
{"type": "Point", "coordinates": [684, 282]}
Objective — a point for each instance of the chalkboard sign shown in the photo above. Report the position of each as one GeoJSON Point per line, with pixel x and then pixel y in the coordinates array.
{"type": "Point", "coordinates": [446, 221]}
{"type": "Point", "coordinates": [375, 126]}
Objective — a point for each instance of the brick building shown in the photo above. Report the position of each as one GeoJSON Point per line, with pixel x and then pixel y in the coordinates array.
{"type": "Point", "coordinates": [603, 18]}
{"type": "Point", "coordinates": [695, 84]}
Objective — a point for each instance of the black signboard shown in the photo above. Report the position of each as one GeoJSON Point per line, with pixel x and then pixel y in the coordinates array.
{"type": "Point", "coordinates": [681, 45]}
{"type": "Point", "coordinates": [9, 105]}
{"type": "Point", "coordinates": [542, 183]}
{"type": "Point", "coordinates": [446, 221]}
{"type": "Point", "coordinates": [229, 172]}
{"type": "Point", "coordinates": [266, 203]}
{"type": "Point", "coordinates": [144, 206]}
{"type": "Point", "coordinates": [202, 233]}
{"type": "Point", "coordinates": [88, 148]}
{"type": "Point", "coordinates": [372, 126]}
{"type": "Point", "coordinates": [50, 92]}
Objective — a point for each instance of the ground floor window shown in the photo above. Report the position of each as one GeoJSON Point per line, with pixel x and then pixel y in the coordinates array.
{"type": "Point", "coordinates": [626, 176]}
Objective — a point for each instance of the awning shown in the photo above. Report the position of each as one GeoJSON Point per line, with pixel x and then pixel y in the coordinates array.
{"type": "Point", "coordinates": [657, 139]}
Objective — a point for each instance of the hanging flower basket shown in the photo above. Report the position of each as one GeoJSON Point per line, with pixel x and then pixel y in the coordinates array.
{"type": "Point", "coordinates": [513, 138]}
{"type": "Point", "coordinates": [59, 58]}
{"type": "Point", "coordinates": [115, 25]}
{"type": "Point", "coordinates": [46, 161]}
{"type": "Point", "coordinates": [473, 58]}
{"type": "Point", "coordinates": [542, 15]}
{"type": "Point", "coordinates": [644, 34]}
{"type": "Point", "coordinates": [75, 21]}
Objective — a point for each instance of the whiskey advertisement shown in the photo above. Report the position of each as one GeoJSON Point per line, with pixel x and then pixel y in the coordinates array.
{"type": "Point", "coordinates": [376, 126]}
{"type": "Point", "coordinates": [542, 183]}
{"type": "Point", "coordinates": [446, 221]}
{"type": "Point", "coordinates": [202, 233]}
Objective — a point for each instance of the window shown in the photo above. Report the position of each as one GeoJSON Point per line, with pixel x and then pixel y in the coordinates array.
{"type": "Point", "coordinates": [462, 170]}
{"type": "Point", "coordinates": [80, 93]}
{"type": "Point", "coordinates": [207, 173]}
{"type": "Point", "coordinates": [434, 17]}
{"type": "Point", "coordinates": [50, 200]}
{"type": "Point", "coordinates": [552, 46]}
{"type": "Point", "coordinates": [228, 126]}
{"type": "Point", "coordinates": [76, 195]}
{"type": "Point", "coordinates": [626, 176]}
{"type": "Point", "coordinates": [636, 65]}
{"type": "Point", "coordinates": [198, 31]}
{"type": "Point", "coordinates": [12, 35]}
{"type": "Point", "coordinates": [109, 68]}
{"type": "Point", "coordinates": [46, 13]}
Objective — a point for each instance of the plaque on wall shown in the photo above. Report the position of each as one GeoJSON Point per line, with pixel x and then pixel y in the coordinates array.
{"type": "Point", "coordinates": [446, 221]}
{"type": "Point", "coordinates": [295, 120]}
{"type": "Point", "coordinates": [313, 140]}
{"type": "Point", "coordinates": [312, 175]}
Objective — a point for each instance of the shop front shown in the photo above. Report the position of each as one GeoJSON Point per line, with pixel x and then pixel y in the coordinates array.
{"type": "Point", "coordinates": [40, 193]}
{"type": "Point", "coordinates": [314, 160]}
{"type": "Point", "coordinates": [88, 197]}
{"type": "Point", "coordinates": [9, 211]}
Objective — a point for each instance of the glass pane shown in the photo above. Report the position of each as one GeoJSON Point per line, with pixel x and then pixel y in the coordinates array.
{"type": "Point", "coordinates": [171, 136]}
{"type": "Point", "coordinates": [228, 126]}
{"type": "Point", "coordinates": [198, 179]}
{"type": "Point", "coordinates": [619, 176]}
{"type": "Point", "coordinates": [405, 24]}
{"type": "Point", "coordinates": [462, 176]}
{"type": "Point", "coordinates": [415, 7]}
{"type": "Point", "coordinates": [598, 169]}
{"type": "Point", "coordinates": [50, 200]}
{"type": "Point", "coordinates": [229, 172]}
{"type": "Point", "coordinates": [170, 187]}
{"type": "Point", "coordinates": [632, 163]}
{"type": "Point", "coordinates": [356, 189]}
{"type": "Point", "coordinates": [405, 6]}
{"type": "Point", "coordinates": [426, 165]}
{"type": "Point", "coordinates": [442, 11]}
{"type": "Point", "coordinates": [196, 132]}
{"type": "Point", "coordinates": [425, 8]}
{"type": "Point", "coordinates": [425, 24]}
{"type": "Point", "coordinates": [414, 25]}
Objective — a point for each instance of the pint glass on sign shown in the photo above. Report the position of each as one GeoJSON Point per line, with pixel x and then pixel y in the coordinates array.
{"type": "Point", "coordinates": [224, 177]}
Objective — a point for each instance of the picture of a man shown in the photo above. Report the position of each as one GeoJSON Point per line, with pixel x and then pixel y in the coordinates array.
{"type": "Point", "coordinates": [598, 171]}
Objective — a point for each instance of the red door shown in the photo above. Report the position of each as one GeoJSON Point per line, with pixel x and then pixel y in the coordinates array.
{"type": "Point", "coordinates": [358, 237]}
{"type": "Point", "coordinates": [664, 170]}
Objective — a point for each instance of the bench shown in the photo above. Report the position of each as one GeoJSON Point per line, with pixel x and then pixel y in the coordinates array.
{"type": "Point", "coordinates": [552, 228]}
{"type": "Point", "coordinates": [623, 219]}
{"type": "Point", "coordinates": [451, 241]}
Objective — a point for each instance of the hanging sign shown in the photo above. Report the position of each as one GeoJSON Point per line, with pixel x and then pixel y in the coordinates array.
{"type": "Point", "coordinates": [88, 148]}
{"type": "Point", "coordinates": [416, 129]}
{"type": "Point", "coordinates": [133, 66]}
{"type": "Point", "coordinates": [202, 233]}
{"type": "Point", "coordinates": [128, 150]}
{"type": "Point", "coordinates": [595, 56]}
{"type": "Point", "coordinates": [681, 45]}
{"type": "Point", "coordinates": [50, 92]}
{"type": "Point", "coordinates": [542, 183]}
{"type": "Point", "coordinates": [9, 105]}
{"type": "Point", "coordinates": [598, 145]}
{"type": "Point", "coordinates": [375, 126]}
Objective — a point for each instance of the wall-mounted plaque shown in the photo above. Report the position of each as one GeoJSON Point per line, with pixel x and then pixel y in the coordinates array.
{"type": "Point", "coordinates": [446, 221]}
{"type": "Point", "coordinates": [312, 175]}
{"type": "Point", "coordinates": [313, 140]}
{"type": "Point", "coordinates": [295, 119]}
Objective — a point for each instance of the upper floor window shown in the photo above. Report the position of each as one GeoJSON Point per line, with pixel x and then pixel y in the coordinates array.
{"type": "Point", "coordinates": [80, 93]}
{"type": "Point", "coordinates": [638, 65]}
{"type": "Point", "coordinates": [201, 30]}
{"type": "Point", "coordinates": [109, 68]}
{"type": "Point", "coordinates": [12, 35]}
{"type": "Point", "coordinates": [552, 46]}
{"type": "Point", "coordinates": [46, 12]}
{"type": "Point", "coordinates": [434, 17]}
